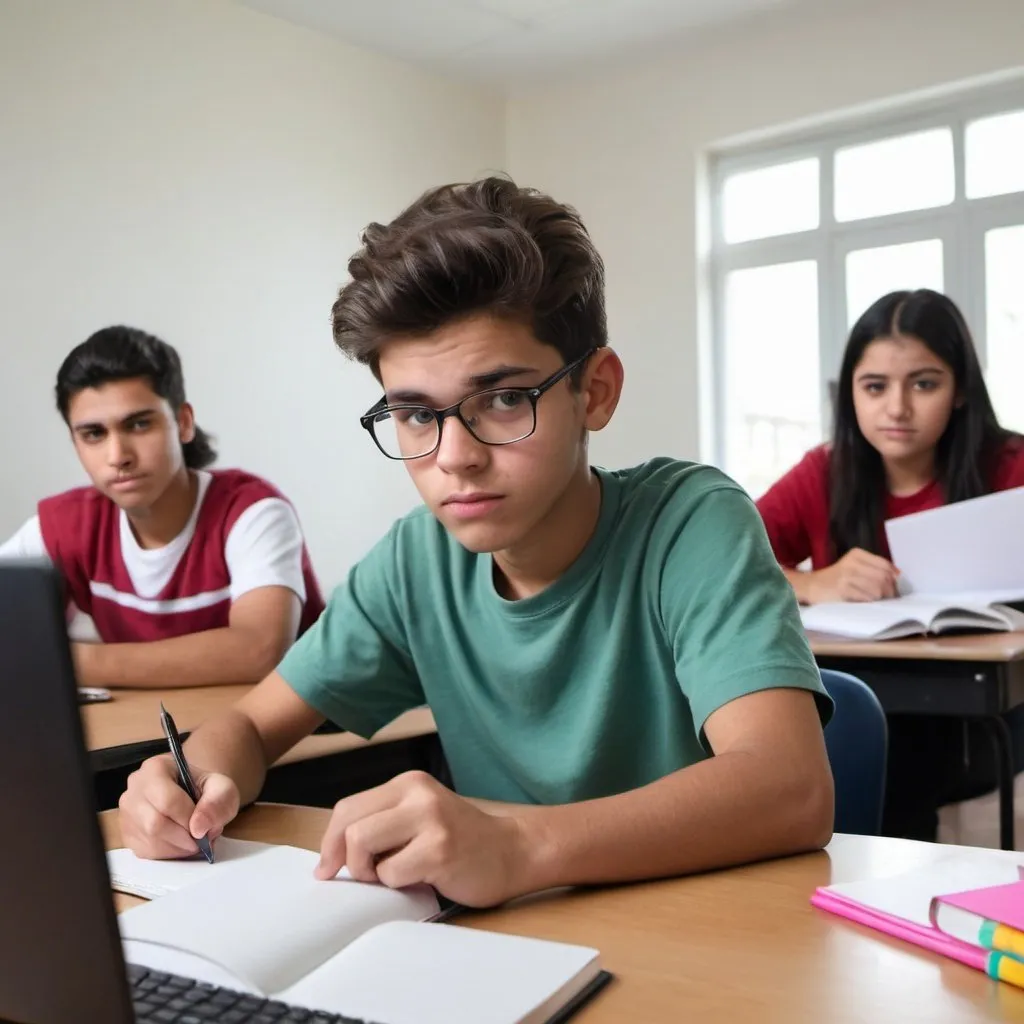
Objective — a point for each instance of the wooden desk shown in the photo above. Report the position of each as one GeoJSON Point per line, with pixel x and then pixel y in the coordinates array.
{"type": "Point", "coordinates": [986, 647]}
{"type": "Point", "coordinates": [414, 723]}
{"type": "Point", "coordinates": [735, 946]}
{"type": "Point", "coordinates": [977, 676]}
{"type": "Point", "coordinates": [126, 730]}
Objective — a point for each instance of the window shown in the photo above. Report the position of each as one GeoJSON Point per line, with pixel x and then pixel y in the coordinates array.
{"type": "Point", "coordinates": [772, 420]}
{"type": "Point", "coordinates": [1004, 317]}
{"type": "Point", "coordinates": [870, 272]}
{"type": "Point", "coordinates": [808, 234]}
{"type": "Point", "coordinates": [995, 155]}
{"type": "Point", "coordinates": [908, 172]}
{"type": "Point", "coordinates": [771, 201]}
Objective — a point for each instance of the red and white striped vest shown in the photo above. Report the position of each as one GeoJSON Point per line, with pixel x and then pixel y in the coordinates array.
{"type": "Point", "coordinates": [82, 534]}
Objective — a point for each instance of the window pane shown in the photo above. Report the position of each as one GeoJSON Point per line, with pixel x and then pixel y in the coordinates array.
{"type": "Point", "coordinates": [771, 201]}
{"type": "Point", "coordinates": [909, 172]}
{"type": "Point", "coordinates": [872, 273]}
{"type": "Point", "coordinates": [1004, 302]}
{"type": "Point", "coordinates": [994, 148]}
{"type": "Point", "coordinates": [772, 383]}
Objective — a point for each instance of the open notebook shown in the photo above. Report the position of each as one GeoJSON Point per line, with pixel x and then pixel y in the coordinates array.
{"type": "Point", "coordinates": [927, 907]}
{"type": "Point", "coordinates": [258, 921]}
{"type": "Point", "coordinates": [914, 614]}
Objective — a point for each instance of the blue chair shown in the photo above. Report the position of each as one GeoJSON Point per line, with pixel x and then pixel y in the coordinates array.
{"type": "Point", "coordinates": [857, 740]}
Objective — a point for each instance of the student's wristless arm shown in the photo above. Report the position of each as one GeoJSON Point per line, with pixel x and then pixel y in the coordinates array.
{"type": "Point", "coordinates": [263, 625]}
{"type": "Point", "coordinates": [211, 658]}
{"type": "Point", "coordinates": [750, 802]}
{"type": "Point", "coordinates": [768, 792]}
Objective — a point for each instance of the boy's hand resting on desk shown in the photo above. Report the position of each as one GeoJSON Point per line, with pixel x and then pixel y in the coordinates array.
{"type": "Point", "coordinates": [160, 822]}
{"type": "Point", "coordinates": [857, 576]}
{"type": "Point", "coordinates": [412, 829]}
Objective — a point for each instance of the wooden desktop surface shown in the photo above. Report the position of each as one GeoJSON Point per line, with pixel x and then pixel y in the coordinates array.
{"type": "Point", "coordinates": [739, 945]}
{"type": "Point", "coordinates": [133, 717]}
{"type": "Point", "coordinates": [1001, 647]}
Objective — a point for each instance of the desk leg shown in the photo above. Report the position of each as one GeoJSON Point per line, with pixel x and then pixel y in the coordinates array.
{"type": "Point", "coordinates": [1003, 744]}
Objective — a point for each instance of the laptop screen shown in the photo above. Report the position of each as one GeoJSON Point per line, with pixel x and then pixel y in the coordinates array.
{"type": "Point", "coordinates": [60, 950]}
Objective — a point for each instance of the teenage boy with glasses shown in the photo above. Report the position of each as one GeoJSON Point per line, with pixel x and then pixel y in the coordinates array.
{"type": "Point", "coordinates": [614, 660]}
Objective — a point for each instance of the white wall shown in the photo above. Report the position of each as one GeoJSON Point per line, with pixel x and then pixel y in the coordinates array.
{"type": "Point", "coordinates": [202, 171]}
{"type": "Point", "coordinates": [627, 149]}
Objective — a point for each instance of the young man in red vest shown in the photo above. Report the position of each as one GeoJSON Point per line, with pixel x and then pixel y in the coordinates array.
{"type": "Point", "coordinates": [185, 576]}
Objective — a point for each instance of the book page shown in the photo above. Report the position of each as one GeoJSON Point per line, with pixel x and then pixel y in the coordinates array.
{"type": "Point", "coordinates": [863, 620]}
{"type": "Point", "coordinates": [407, 973]}
{"type": "Point", "coordinates": [268, 922]}
{"type": "Point", "coordinates": [904, 616]}
{"type": "Point", "coordinates": [961, 615]}
{"type": "Point", "coordinates": [151, 879]}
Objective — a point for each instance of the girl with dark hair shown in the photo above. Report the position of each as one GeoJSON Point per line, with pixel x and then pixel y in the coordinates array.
{"type": "Point", "coordinates": [914, 429]}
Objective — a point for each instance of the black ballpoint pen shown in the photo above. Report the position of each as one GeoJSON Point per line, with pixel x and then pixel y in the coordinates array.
{"type": "Point", "coordinates": [184, 775]}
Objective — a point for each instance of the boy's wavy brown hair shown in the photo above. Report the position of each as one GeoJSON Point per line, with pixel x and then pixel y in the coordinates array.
{"type": "Point", "coordinates": [485, 246]}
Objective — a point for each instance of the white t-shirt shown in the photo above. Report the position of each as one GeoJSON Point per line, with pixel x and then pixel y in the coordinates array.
{"type": "Point", "coordinates": [263, 549]}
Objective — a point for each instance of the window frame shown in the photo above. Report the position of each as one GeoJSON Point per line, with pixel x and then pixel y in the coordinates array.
{"type": "Point", "coordinates": [960, 225]}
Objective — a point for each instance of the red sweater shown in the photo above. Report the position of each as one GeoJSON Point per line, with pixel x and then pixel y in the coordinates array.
{"type": "Point", "coordinates": [795, 509]}
{"type": "Point", "coordinates": [81, 531]}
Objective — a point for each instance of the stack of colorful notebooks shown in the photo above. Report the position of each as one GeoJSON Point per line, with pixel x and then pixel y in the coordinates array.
{"type": "Point", "coordinates": [971, 910]}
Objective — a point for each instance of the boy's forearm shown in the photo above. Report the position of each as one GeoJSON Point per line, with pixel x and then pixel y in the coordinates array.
{"type": "Point", "coordinates": [211, 658]}
{"type": "Point", "coordinates": [727, 810]}
{"type": "Point", "coordinates": [230, 745]}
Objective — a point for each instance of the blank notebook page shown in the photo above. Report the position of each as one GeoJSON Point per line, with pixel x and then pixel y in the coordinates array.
{"type": "Point", "coordinates": [405, 973]}
{"type": "Point", "coordinates": [151, 879]}
{"type": "Point", "coordinates": [269, 921]}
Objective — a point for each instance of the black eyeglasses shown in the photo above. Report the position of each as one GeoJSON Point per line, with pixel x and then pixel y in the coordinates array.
{"type": "Point", "coordinates": [495, 416]}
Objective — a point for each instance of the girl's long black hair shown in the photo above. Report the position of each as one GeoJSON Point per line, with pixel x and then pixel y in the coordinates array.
{"type": "Point", "coordinates": [966, 453]}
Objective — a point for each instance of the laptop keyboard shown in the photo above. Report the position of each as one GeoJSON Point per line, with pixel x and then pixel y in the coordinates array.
{"type": "Point", "coordinates": [160, 998]}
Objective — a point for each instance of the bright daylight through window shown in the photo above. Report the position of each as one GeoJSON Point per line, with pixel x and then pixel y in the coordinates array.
{"type": "Point", "coordinates": [807, 235]}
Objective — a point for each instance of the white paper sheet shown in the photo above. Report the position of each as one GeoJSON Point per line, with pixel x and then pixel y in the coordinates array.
{"type": "Point", "coordinates": [975, 545]}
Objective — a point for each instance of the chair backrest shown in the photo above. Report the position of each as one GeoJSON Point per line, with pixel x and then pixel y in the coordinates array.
{"type": "Point", "coordinates": [857, 739]}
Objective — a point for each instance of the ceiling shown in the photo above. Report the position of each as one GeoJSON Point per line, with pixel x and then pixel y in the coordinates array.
{"type": "Point", "coordinates": [509, 43]}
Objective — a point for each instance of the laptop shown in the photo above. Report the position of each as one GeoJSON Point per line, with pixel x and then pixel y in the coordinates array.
{"type": "Point", "coordinates": [61, 959]}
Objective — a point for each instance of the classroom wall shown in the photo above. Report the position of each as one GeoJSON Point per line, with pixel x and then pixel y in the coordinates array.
{"type": "Point", "coordinates": [627, 147]}
{"type": "Point", "coordinates": [202, 171]}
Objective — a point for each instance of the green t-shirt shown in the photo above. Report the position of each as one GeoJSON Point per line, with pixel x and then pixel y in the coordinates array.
{"type": "Point", "coordinates": [599, 684]}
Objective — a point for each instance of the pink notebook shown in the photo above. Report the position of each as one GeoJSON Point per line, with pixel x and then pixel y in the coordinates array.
{"type": "Point", "coordinates": [925, 936]}
{"type": "Point", "coordinates": [1003, 904]}
{"type": "Point", "coordinates": [901, 906]}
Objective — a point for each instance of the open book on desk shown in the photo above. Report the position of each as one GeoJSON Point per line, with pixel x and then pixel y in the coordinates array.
{"type": "Point", "coordinates": [915, 614]}
{"type": "Point", "coordinates": [265, 925]}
